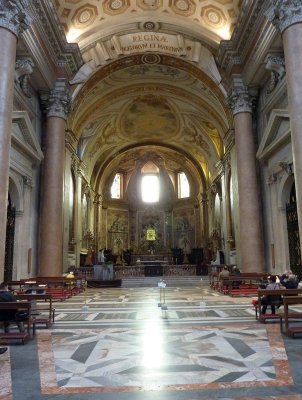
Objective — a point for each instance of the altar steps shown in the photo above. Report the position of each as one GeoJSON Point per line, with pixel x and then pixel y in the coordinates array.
{"type": "Point", "coordinates": [171, 281]}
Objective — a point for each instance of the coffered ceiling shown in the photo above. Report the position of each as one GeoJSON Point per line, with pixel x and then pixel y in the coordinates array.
{"type": "Point", "coordinates": [86, 21]}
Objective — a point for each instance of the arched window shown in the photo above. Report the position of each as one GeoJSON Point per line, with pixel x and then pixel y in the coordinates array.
{"type": "Point", "coordinates": [150, 183]}
{"type": "Point", "coordinates": [116, 187]}
{"type": "Point", "coordinates": [183, 186]}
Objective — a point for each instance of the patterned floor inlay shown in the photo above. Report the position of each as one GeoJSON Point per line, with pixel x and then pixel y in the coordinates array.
{"type": "Point", "coordinates": [5, 376]}
{"type": "Point", "coordinates": [159, 357]}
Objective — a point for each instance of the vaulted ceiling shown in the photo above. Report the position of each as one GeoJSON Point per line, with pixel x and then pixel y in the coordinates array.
{"type": "Point", "coordinates": [128, 102]}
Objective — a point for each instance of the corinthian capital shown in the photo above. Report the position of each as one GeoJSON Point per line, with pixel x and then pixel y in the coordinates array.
{"type": "Point", "coordinates": [239, 99]}
{"type": "Point", "coordinates": [285, 13]}
{"type": "Point", "coordinates": [13, 16]}
{"type": "Point", "coordinates": [58, 102]}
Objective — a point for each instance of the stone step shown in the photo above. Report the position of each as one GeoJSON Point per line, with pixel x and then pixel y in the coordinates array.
{"type": "Point", "coordinates": [170, 281]}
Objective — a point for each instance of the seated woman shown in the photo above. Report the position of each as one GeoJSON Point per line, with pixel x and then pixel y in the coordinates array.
{"type": "Point", "coordinates": [272, 301]}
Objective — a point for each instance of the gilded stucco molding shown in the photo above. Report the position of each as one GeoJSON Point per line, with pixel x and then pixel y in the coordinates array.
{"type": "Point", "coordinates": [285, 13]}
{"type": "Point", "coordinates": [14, 16]}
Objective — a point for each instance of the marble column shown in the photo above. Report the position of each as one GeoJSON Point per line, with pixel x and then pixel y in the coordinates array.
{"type": "Point", "coordinates": [12, 22]}
{"type": "Point", "coordinates": [78, 216]}
{"type": "Point", "coordinates": [97, 205]}
{"type": "Point", "coordinates": [51, 228]}
{"type": "Point", "coordinates": [251, 241]}
{"type": "Point", "coordinates": [286, 15]}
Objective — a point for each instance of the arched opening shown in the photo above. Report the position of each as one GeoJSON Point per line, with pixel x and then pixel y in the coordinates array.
{"type": "Point", "coordinates": [9, 241]}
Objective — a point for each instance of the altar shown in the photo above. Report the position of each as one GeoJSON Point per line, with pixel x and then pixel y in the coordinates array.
{"type": "Point", "coordinates": [154, 267]}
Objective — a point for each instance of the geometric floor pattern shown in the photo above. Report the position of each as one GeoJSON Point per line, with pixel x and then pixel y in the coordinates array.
{"type": "Point", "coordinates": [119, 344]}
{"type": "Point", "coordinates": [158, 358]}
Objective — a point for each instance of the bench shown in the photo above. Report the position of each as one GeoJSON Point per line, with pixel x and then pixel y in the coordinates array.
{"type": "Point", "coordinates": [59, 287]}
{"type": "Point", "coordinates": [273, 292]}
{"type": "Point", "coordinates": [12, 337]}
{"type": "Point", "coordinates": [245, 284]}
{"type": "Point", "coordinates": [291, 315]}
{"type": "Point", "coordinates": [42, 310]}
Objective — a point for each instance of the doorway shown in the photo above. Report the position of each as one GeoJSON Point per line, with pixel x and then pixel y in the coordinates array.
{"type": "Point", "coordinates": [9, 242]}
{"type": "Point", "coordinates": [293, 233]}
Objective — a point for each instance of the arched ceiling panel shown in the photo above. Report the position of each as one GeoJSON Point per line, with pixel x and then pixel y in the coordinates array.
{"type": "Point", "coordinates": [86, 21]}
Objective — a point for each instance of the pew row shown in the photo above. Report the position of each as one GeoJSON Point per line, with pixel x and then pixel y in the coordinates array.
{"type": "Point", "coordinates": [275, 293]}
{"type": "Point", "coordinates": [15, 336]}
{"type": "Point", "coordinates": [245, 284]}
{"type": "Point", "coordinates": [42, 310]}
{"type": "Point", "coordinates": [291, 316]}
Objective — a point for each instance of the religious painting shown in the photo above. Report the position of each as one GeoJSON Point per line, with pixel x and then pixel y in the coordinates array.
{"type": "Point", "coordinates": [151, 234]}
{"type": "Point", "coordinates": [150, 115]}
{"type": "Point", "coordinates": [151, 231]}
{"type": "Point", "coordinates": [118, 230]}
{"type": "Point", "coordinates": [184, 229]}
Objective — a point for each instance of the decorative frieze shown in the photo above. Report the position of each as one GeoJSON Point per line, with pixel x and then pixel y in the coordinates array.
{"type": "Point", "coordinates": [285, 13]}
{"type": "Point", "coordinates": [14, 16]}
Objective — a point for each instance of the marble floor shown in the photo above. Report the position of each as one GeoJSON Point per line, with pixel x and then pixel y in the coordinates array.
{"type": "Point", "coordinates": [145, 343]}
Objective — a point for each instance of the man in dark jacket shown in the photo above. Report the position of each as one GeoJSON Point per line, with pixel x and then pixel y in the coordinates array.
{"type": "Point", "coordinates": [8, 315]}
{"type": "Point", "coordinates": [289, 281]}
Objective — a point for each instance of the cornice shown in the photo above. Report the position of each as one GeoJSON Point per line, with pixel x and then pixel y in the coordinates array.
{"type": "Point", "coordinates": [245, 38]}
{"type": "Point", "coordinates": [48, 34]}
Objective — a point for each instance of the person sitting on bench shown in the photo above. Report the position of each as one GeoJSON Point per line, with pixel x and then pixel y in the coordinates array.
{"type": "Point", "coordinates": [289, 281]}
{"type": "Point", "coordinates": [8, 315]}
{"type": "Point", "coordinates": [224, 273]}
{"type": "Point", "coordinates": [272, 301]}
{"type": "Point", "coordinates": [236, 272]}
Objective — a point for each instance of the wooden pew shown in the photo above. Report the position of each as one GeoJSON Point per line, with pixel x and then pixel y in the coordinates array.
{"type": "Point", "coordinates": [291, 315]}
{"type": "Point", "coordinates": [16, 336]}
{"type": "Point", "coordinates": [57, 286]}
{"type": "Point", "coordinates": [249, 283]}
{"type": "Point", "coordinates": [42, 310]}
{"type": "Point", "coordinates": [274, 292]}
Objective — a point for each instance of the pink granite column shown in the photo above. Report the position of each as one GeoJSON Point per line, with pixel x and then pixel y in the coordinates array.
{"type": "Point", "coordinates": [12, 23]}
{"type": "Point", "coordinates": [287, 17]}
{"type": "Point", "coordinates": [251, 249]}
{"type": "Point", "coordinates": [51, 228]}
